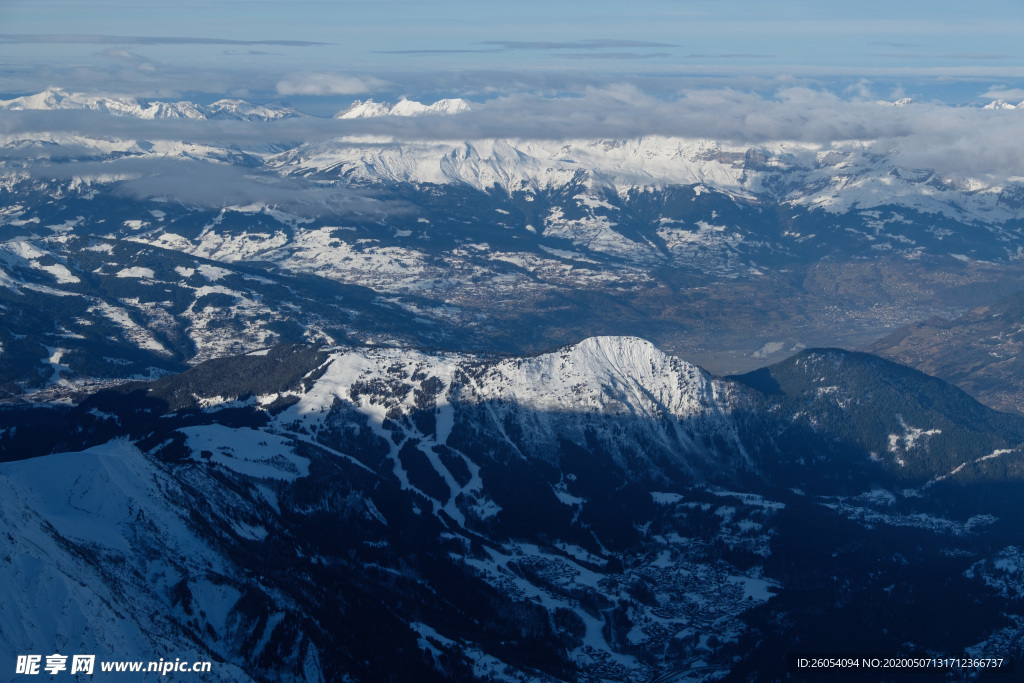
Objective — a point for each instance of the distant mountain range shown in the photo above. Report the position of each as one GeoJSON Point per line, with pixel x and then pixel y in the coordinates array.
{"type": "Point", "coordinates": [168, 246]}
{"type": "Point", "coordinates": [838, 178]}
{"type": "Point", "coordinates": [141, 108]}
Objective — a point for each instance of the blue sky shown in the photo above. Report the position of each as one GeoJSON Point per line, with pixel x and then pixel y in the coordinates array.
{"type": "Point", "coordinates": [337, 50]}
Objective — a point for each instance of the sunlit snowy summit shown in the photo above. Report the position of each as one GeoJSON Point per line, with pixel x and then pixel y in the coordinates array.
{"type": "Point", "coordinates": [404, 107]}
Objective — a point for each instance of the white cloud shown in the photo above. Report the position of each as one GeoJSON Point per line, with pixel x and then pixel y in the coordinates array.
{"type": "Point", "coordinates": [216, 185]}
{"type": "Point", "coordinates": [955, 141]}
{"type": "Point", "coordinates": [1014, 94]}
{"type": "Point", "coordinates": [326, 84]}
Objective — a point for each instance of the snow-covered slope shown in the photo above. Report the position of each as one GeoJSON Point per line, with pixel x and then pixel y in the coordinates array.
{"type": "Point", "coordinates": [618, 391]}
{"type": "Point", "coordinates": [611, 375]}
{"type": "Point", "coordinates": [103, 540]}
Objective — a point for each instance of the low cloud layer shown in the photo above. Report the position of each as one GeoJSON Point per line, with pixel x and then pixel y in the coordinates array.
{"type": "Point", "coordinates": [1013, 94]}
{"type": "Point", "coordinates": [953, 140]}
{"type": "Point", "coordinates": [216, 185]}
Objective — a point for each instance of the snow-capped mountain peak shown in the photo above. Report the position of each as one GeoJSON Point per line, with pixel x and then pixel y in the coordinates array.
{"type": "Point", "coordinates": [361, 110]}
{"type": "Point", "coordinates": [135, 107]}
{"type": "Point", "coordinates": [54, 98]}
{"type": "Point", "coordinates": [901, 102]}
{"type": "Point", "coordinates": [625, 375]}
{"type": "Point", "coordinates": [57, 98]}
{"type": "Point", "coordinates": [404, 107]}
{"type": "Point", "coordinates": [1003, 104]}
{"type": "Point", "coordinates": [569, 394]}
{"type": "Point", "coordinates": [240, 109]}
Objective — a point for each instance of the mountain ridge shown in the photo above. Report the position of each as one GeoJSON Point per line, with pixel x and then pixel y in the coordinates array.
{"type": "Point", "coordinates": [380, 403]}
{"type": "Point", "coordinates": [144, 108]}
{"type": "Point", "coordinates": [835, 178]}
{"type": "Point", "coordinates": [266, 520]}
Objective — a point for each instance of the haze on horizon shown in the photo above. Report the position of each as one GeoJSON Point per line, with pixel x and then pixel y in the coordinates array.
{"type": "Point", "coordinates": [738, 72]}
{"type": "Point", "coordinates": [320, 55]}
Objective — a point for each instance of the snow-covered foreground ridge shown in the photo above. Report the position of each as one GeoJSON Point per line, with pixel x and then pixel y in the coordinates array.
{"type": "Point", "coordinates": [581, 392]}
{"type": "Point", "coordinates": [275, 513]}
{"type": "Point", "coordinates": [66, 517]}
{"type": "Point", "coordinates": [114, 549]}
{"type": "Point", "coordinates": [612, 375]}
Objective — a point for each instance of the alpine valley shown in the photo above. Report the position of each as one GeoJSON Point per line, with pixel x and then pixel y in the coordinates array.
{"type": "Point", "coordinates": [316, 402]}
